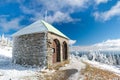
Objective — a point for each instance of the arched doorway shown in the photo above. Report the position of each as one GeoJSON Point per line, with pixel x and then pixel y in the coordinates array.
{"type": "Point", "coordinates": [56, 51]}
{"type": "Point", "coordinates": [65, 51]}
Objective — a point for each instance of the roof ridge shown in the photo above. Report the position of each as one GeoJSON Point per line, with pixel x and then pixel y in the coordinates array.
{"type": "Point", "coordinates": [53, 29]}
{"type": "Point", "coordinates": [42, 21]}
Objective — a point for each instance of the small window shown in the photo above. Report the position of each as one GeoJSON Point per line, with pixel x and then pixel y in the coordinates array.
{"type": "Point", "coordinates": [65, 52]}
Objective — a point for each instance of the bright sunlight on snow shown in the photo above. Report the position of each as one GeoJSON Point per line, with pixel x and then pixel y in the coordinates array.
{"type": "Point", "coordinates": [8, 70]}
{"type": "Point", "coordinates": [11, 71]}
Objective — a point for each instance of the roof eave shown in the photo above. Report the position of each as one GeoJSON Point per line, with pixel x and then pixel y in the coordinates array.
{"type": "Point", "coordinates": [59, 35]}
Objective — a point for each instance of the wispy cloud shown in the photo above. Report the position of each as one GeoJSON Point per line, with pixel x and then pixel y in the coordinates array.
{"type": "Point", "coordinates": [107, 15]}
{"type": "Point", "coordinates": [7, 25]}
{"type": "Point", "coordinates": [59, 17]}
{"type": "Point", "coordinates": [58, 10]}
{"type": "Point", "coordinates": [101, 1]}
{"type": "Point", "coordinates": [71, 42]}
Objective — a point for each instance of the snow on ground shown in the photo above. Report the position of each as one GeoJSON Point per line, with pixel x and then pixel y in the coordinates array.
{"type": "Point", "coordinates": [104, 66]}
{"type": "Point", "coordinates": [8, 70]}
{"type": "Point", "coordinates": [6, 51]}
{"type": "Point", "coordinates": [75, 63]}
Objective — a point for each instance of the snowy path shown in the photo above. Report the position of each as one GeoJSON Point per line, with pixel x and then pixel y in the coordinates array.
{"type": "Point", "coordinates": [75, 63]}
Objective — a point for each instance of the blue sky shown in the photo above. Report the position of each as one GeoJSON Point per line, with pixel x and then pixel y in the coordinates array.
{"type": "Point", "coordinates": [85, 21]}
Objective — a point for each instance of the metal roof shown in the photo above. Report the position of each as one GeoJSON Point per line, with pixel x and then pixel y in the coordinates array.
{"type": "Point", "coordinates": [38, 27]}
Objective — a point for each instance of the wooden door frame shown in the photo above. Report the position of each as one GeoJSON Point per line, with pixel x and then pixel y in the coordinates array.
{"type": "Point", "coordinates": [57, 49]}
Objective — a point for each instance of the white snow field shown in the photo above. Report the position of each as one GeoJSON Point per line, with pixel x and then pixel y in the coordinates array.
{"type": "Point", "coordinates": [10, 71]}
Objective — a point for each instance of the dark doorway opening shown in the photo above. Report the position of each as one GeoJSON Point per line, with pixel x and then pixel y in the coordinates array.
{"type": "Point", "coordinates": [56, 52]}
{"type": "Point", "coordinates": [65, 51]}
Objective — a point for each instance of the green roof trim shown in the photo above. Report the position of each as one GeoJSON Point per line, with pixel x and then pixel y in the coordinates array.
{"type": "Point", "coordinates": [53, 29]}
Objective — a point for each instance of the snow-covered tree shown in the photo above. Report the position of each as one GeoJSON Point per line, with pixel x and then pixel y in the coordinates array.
{"type": "Point", "coordinates": [5, 41]}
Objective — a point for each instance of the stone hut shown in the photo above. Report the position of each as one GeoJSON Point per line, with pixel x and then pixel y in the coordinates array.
{"type": "Point", "coordinates": [40, 44]}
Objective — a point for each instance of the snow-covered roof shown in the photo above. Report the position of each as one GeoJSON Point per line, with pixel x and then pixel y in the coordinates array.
{"type": "Point", "coordinates": [38, 27]}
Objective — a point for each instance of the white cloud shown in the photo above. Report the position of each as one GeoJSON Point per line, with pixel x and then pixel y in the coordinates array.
{"type": "Point", "coordinates": [110, 43]}
{"type": "Point", "coordinates": [71, 42]}
{"type": "Point", "coordinates": [58, 10]}
{"type": "Point", "coordinates": [107, 15]}
{"type": "Point", "coordinates": [26, 10]}
{"type": "Point", "coordinates": [107, 45]}
{"type": "Point", "coordinates": [7, 25]}
{"type": "Point", "coordinates": [100, 1]}
{"type": "Point", "coordinates": [77, 3]}
{"type": "Point", "coordinates": [59, 17]}
{"type": "Point", "coordinates": [58, 5]}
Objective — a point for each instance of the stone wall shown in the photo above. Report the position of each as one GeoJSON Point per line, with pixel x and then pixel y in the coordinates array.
{"type": "Point", "coordinates": [30, 49]}
{"type": "Point", "coordinates": [50, 39]}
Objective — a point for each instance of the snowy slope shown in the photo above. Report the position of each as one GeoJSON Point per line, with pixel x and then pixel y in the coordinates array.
{"type": "Point", "coordinates": [111, 68]}
{"type": "Point", "coordinates": [6, 51]}
{"type": "Point", "coordinates": [8, 70]}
